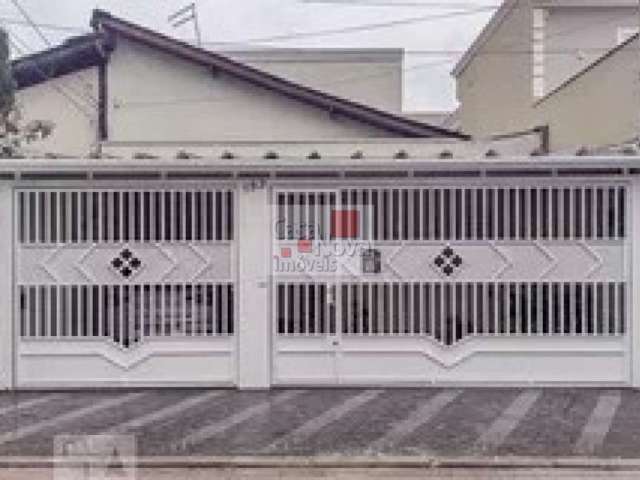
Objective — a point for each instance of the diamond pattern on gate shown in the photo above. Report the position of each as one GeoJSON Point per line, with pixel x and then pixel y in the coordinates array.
{"type": "Point", "coordinates": [126, 263]}
{"type": "Point", "coordinates": [448, 261]}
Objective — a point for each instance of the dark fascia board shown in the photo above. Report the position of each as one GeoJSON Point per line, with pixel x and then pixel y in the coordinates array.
{"type": "Point", "coordinates": [104, 21]}
{"type": "Point", "coordinates": [76, 54]}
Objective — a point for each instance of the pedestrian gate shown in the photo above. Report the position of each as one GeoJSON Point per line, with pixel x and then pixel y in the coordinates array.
{"type": "Point", "coordinates": [122, 286]}
{"type": "Point", "coordinates": [451, 283]}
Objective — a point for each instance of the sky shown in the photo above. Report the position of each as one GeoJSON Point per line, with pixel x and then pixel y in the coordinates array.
{"type": "Point", "coordinates": [427, 85]}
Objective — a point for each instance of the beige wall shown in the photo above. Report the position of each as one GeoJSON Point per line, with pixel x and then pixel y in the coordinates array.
{"type": "Point", "coordinates": [154, 96]}
{"type": "Point", "coordinates": [600, 107]}
{"type": "Point", "coordinates": [576, 37]}
{"type": "Point", "coordinates": [70, 103]}
{"type": "Point", "coordinates": [494, 90]}
{"type": "Point", "coordinates": [371, 76]}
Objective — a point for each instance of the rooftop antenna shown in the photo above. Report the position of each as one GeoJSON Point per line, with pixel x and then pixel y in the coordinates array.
{"type": "Point", "coordinates": [184, 15]}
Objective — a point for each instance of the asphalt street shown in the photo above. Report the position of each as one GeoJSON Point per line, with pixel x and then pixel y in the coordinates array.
{"type": "Point", "coordinates": [443, 422]}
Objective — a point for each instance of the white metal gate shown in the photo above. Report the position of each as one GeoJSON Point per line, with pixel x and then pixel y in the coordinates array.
{"type": "Point", "coordinates": [509, 282]}
{"type": "Point", "coordinates": [123, 286]}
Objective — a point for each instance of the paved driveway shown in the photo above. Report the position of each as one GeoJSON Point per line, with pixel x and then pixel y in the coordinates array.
{"type": "Point", "coordinates": [320, 422]}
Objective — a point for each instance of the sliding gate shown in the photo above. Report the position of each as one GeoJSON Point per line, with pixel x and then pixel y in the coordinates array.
{"type": "Point", "coordinates": [445, 283]}
{"type": "Point", "coordinates": [122, 286]}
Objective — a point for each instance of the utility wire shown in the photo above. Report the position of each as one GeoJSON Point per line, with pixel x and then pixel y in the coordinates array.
{"type": "Point", "coordinates": [383, 3]}
{"type": "Point", "coordinates": [86, 94]}
{"type": "Point", "coordinates": [14, 43]}
{"type": "Point", "coordinates": [44, 26]}
{"type": "Point", "coordinates": [30, 21]}
{"type": "Point", "coordinates": [365, 27]}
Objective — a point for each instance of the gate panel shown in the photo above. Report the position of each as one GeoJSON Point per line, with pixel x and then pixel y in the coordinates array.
{"type": "Point", "coordinates": [465, 284]}
{"type": "Point", "coordinates": [125, 286]}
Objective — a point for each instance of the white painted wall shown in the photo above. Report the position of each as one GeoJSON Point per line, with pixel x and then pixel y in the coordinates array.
{"type": "Point", "coordinates": [6, 286]}
{"type": "Point", "coordinates": [70, 102]}
{"type": "Point", "coordinates": [154, 96]}
{"type": "Point", "coordinates": [254, 263]}
{"type": "Point", "coordinates": [371, 76]}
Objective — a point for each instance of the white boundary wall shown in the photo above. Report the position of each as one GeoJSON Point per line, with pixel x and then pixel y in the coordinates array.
{"type": "Point", "coordinates": [254, 180]}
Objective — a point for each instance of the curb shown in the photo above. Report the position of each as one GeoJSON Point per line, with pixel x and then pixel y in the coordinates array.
{"type": "Point", "coordinates": [345, 462]}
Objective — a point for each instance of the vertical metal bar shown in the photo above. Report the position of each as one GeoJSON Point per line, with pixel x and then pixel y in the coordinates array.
{"type": "Point", "coordinates": [453, 302]}
{"type": "Point", "coordinates": [78, 212]}
{"type": "Point", "coordinates": [518, 311]}
{"type": "Point", "coordinates": [616, 213]}
{"type": "Point", "coordinates": [224, 212]}
{"type": "Point", "coordinates": [143, 218]}
{"type": "Point", "coordinates": [422, 310]}
{"type": "Point", "coordinates": [464, 321]}
{"type": "Point", "coordinates": [123, 217]}
{"type": "Point", "coordinates": [605, 213]}
{"type": "Point", "coordinates": [472, 293]}
{"type": "Point", "coordinates": [583, 212]}
{"type": "Point", "coordinates": [443, 235]}
{"type": "Point", "coordinates": [432, 214]}
{"type": "Point", "coordinates": [183, 215]}
{"type": "Point", "coordinates": [296, 308]}
{"type": "Point", "coordinates": [28, 231]}
{"type": "Point", "coordinates": [498, 305]}
{"type": "Point", "coordinates": [100, 209]}
{"type": "Point", "coordinates": [514, 214]}
{"type": "Point", "coordinates": [616, 309]}
{"type": "Point", "coordinates": [192, 205]}
{"type": "Point", "coordinates": [131, 297]}
{"type": "Point", "coordinates": [217, 319]}
{"type": "Point", "coordinates": [183, 296]}
{"type": "Point", "coordinates": [550, 213]}
{"type": "Point", "coordinates": [539, 213]}
{"type": "Point", "coordinates": [362, 307]}
{"type": "Point", "coordinates": [202, 233]}
{"type": "Point", "coordinates": [162, 235]}
{"type": "Point", "coordinates": [572, 215]}
{"type": "Point", "coordinates": [443, 313]}
{"type": "Point", "coordinates": [463, 213]}
{"type": "Point", "coordinates": [506, 327]}
{"type": "Point", "coordinates": [36, 332]}
{"type": "Point", "coordinates": [69, 311]}
{"type": "Point", "coordinates": [307, 301]}
{"type": "Point", "coordinates": [496, 214]}
{"type": "Point", "coordinates": [196, 319]}
{"type": "Point", "coordinates": [172, 234]}
{"type": "Point", "coordinates": [432, 308]}
{"type": "Point", "coordinates": [482, 292]}
{"type": "Point", "coordinates": [121, 322]}
{"type": "Point", "coordinates": [36, 219]}
{"type": "Point", "coordinates": [528, 214]}
{"type": "Point", "coordinates": [46, 218]}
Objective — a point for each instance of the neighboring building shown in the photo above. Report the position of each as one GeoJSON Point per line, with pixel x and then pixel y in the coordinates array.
{"type": "Point", "coordinates": [527, 50]}
{"type": "Point", "coordinates": [125, 83]}
{"type": "Point", "coordinates": [599, 105]}
{"type": "Point", "coordinates": [443, 119]}
{"type": "Point", "coordinates": [370, 76]}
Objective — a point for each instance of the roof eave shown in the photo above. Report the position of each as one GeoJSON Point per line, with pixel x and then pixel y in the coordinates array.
{"type": "Point", "coordinates": [383, 120]}
{"type": "Point", "coordinates": [82, 53]}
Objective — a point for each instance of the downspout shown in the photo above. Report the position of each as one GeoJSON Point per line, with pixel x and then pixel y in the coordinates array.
{"type": "Point", "coordinates": [106, 47]}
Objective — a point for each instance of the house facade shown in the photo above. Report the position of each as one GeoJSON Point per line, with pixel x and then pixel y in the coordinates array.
{"type": "Point", "coordinates": [130, 84]}
{"type": "Point", "coordinates": [527, 50]}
